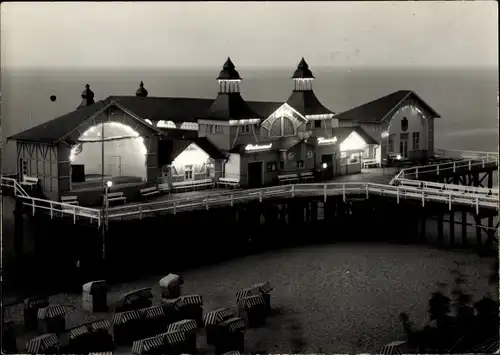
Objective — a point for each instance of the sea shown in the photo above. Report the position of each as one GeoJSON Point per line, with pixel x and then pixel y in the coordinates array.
{"type": "Point", "coordinates": [467, 99]}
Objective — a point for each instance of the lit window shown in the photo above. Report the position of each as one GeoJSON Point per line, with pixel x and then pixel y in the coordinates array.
{"type": "Point", "coordinates": [300, 164]}
{"type": "Point", "coordinates": [188, 172]}
{"type": "Point", "coordinates": [416, 140]}
{"type": "Point", "coordinates": [246, 129]}
{"type": "Point", "coordinates": [271, 167]}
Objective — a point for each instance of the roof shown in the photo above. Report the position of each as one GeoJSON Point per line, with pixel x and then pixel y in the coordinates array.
{"type": "Point", "coordinates": [229, 106]}
{"type": "Point", "coordinates": [307, 103]}
{"type": "Point", "coordinates": [303, 71]}
{"type": "Point", "coordinates": [240, 148]}
{"type": "Point", "coordinates": [228, 71]}
{"type": "Point", "coordinates": [343, 132]}
{"type": "Point", "coordinates": [287, 143]}
{"type": "Point", "coordinates": [377, 110]}
{"type": "Point", "coordinates": [171, 148]}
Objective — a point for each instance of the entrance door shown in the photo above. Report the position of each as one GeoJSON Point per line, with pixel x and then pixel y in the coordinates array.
{"type": "Point", "coordinates": [327, 166]}
{"type": "Point", "coordinates": [255, 174]}
{"type": "Point", "coordinates": [403, 145]}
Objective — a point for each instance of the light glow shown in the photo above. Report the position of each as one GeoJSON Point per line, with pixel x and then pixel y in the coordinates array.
{"type": "Point", "coordinates": [398, 157]}
{"type": "Point", "coordinates": [244, 122]}
{"type": "Point", "coordinates": [190, 126]}
{"type": "Point", "coordinates": [323, 140]}
{"type": "Point", "coordinates": [384, 134]}
{"type": "Point", "coordinates": [192, 155]}
{"type": "Point", "coordinates": [109, 183]}
{"type": "Point", "coordinates": [165, 124]}
{"type": "Point", "coordinates": [320, 117]}
{"type": "Point", "coordinates": [325, 165]}
{"type": "Point", "coordinates": [353, 142]}
{"type": "Point", "coordinates": [254, 147]}
{"type": "Point", "coordinates": [229, 80]}
{"type": "Point", "coordinates": [149, 122]}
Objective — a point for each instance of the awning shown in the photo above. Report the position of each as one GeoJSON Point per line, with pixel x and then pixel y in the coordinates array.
{"type": "Point", "coordinates": [185, 325]}
{"type": "Point", "coordinates": [51, 312]}
{"type": "Point", "coordinates": [251, 301]}
{"type": "Point", "coordinates": [192, 299]}
{"type": "Point", "coordinates": [143, 345]}
{"type": "Point", "coordinates": [152, 312]}
{"type": "Point", "coordinates": [217, 316]}
{"type": "Point", "coordinates": [246, 292]}
{"type": "Point", "coordinates": [125, 317]}
{"type": "Point", "coordinates": [42, 343]}
{"type": "Point", "coordinates": [396, 348]}
{"type": "Point", "coordinates": [235, 324]}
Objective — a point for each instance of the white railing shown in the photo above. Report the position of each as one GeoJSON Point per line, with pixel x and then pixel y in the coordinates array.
{"type": "Point", "coordinates": [53, 208]}
{"type": "Point", "coordinates": [465, 154]}
{"type": "Point", "coordinates": [452, 187]}
{"type": "Point", "coordinates": [290, 191]}
{"type": "Point", "coordinates": [415, 172]}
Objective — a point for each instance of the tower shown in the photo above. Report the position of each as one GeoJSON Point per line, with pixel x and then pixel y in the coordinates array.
{"type": "Point", "coordinates": [229, 79]}
{"type": "Point", "coordinates": [302, 77]}
{"type": "Point", "coordinates": [87, 97]}
{"type": "Point", "coordinates": [141, 92]}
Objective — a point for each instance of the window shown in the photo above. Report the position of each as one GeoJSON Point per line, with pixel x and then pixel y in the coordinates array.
{"type": "Point", "coordinates": [416, 140]}
{"type": "Point", "coordinates": [271, 166]}
{"type": "Point", "coordinates": [288, 129]}
{"type": "Point", "coordinates": [317, 124]}
{"type": "Point", "coordinates": [282, 165]}
{"type": "Point", "coordinates": [300, 164]}
{"type": "Point", "coordinates": [212, 128]}
{"type": "Point", "coordinates": [188, 172]}
{"type": "Point", "coordinates": [246, 129]}
{"type": "Point", "coordinates": [391, 143]}
{"type": "Point", "coordinates": [24, 166]}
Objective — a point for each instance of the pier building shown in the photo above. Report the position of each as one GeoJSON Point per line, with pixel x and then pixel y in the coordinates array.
{"type": "Point", "coordinates": [140, 141]}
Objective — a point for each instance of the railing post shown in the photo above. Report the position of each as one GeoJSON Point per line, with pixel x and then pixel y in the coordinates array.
{"type": "Point", "coordinates": [366, 189]}
{"type": "Point", "coordinates": [449, 201]}
{"type": "Point", "coordinates": [175, 207]}
{"type": "Point", "coordinates": [74, 215]}
{"type": "Point", "coordinates": [99, 219]}
{"type": "Point", "coordinates": [33, 206]}
{"type": "Point", "coordinates": [482, 161]}
{"type": "Point", "coordinates": [437, 169]}
{"type": "Point", "coordinates": [423, 198]}
{"type": "Point", "coordinates": [206, 203]}
{"type": "Point", "coordinates": [260, 196]}
{"type": "Point", "coordinates": [397, 194]}
{"type": "Point", "coordinates": [416, 173]}
{"type": "Point", "coordinates": [343, 192]}
{"type": "Point", "coordinates": [140, 212]}
{"type": "Point", "coordinates": [232, 200]}
{"type": "Point", "coordinates": [477, 205]}
{"type": "Point", "coordinates": [454, 167]}
{"type": "Point", "coordinates": [293, 190]}
{"type": "Point", "coordinates": [51, 210]}
{"type": "Point", "coordinates": [469, 164]}
{"type": "Point", "coordinates": [324, 193]}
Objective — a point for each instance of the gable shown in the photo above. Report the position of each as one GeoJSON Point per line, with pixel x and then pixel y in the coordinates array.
{"type": "Point", "coordinates": [353, 142]}
{"type": "Point", "coordinates": [287, 111]}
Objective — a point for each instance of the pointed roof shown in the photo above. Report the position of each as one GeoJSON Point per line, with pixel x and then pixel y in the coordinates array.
{"type": "Point", "coordinates": [228, 71]}
{"type": "Point", "coordinates": [303, 71]}
{"type": "Point", "coordinates": [307, 103]}
{"type": "Point", "coordinates": [141, 92]}
{"type": "Point", "coordinates": [87, 97]}
{"type": "Point", "coordinates": [343, 132]}
{"type": "Point", "coordinates": [381, 108]}
{"type": "Point", "coordinates": [229, 106]}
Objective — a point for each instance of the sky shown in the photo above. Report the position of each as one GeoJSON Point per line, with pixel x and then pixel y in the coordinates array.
{"type": "Point", "coordinates": [255, 34]}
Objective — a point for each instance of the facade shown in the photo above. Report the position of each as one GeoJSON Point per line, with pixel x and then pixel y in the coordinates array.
{"type": "Point", "coordinates": [401, 122]}
{"type": "Point", "coordinates": [189, 141]}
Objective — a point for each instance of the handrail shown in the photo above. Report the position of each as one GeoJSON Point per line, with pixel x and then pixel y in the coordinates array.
{"type": "Point", "coordinates": [453, 187]}
{"type": "Point", "coordinates": [15, 184]}
{"type": "Point", "coordinates": [325, 190]}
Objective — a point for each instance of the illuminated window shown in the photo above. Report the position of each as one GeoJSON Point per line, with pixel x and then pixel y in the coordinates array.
{"type": "Point", "coordinates": [218, 129]}
{"type": "Point", "coordinates": [190, 126]}
{"type": "Point", "coordinates": [317, 124]}
{"type": "Point", "coordinates": [188, 172]}
{"type": "Point", "coordinates": [391, 143]}
{"type": "Point", "coordinates": [416, 140]}
{"type": "Point", "coordinates": [271, 166]}
{"type": "Point", "coordinates": [300, 164]}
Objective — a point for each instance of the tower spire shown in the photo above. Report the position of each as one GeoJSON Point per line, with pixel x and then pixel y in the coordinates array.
{"type": "Point", "coordinates": [141, 92]}
{"type": "Point", "coordinates": [302, 77]}
{"type": "Point", "coordinates": [229, 78]}
{"type": "Point", "coordinates": [87, 97]}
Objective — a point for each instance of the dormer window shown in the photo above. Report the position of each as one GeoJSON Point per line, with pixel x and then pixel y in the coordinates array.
{"type": "Point", "coordinates": [246, 129]}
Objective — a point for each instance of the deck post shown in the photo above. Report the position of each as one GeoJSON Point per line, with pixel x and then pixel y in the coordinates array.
{"type": "Point", "coordinates": [465, 242]}
{"type": "Point", "coordinates": [18, 228]}
{"type": "Point", "coordinates": [314, 211]}
{"type": "Point", "coordinates": [440, 223]}
{"type": "Point", "coordinates": [452, 227]}
{"type": "Point", "coordinates": [423, 226]}
{"type": "Point", "coordinates": [490, 179]}
{"type": "Point", "coordinates": [478, 223]}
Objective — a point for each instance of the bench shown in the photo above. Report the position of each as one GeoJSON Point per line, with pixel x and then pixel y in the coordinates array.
{"type": "Point", "coordinates": [70, 200]}
{"type": "Point", "coordinates": [369, 163]}
{"type": "Point", "coordinates": [227, 181]}
{"type": "Point", "coordinates": [288, 178]}
{"type": "Point", "coordinates": [307, 176]}
{"type": "Point", "coordinates": [192, 184]}
{"type": "Point", "coordinates": [116, 196]}
{"type": "Point", "coordinates": [149, 191]}
{"type": "Point", "coordinates": [163, 187]}
{"type": "Point", "coordinates": [29, 180]}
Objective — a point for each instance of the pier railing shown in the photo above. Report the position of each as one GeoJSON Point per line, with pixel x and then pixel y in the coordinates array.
{"type": "Point", "coordinates": [52, 208]}
{"type": "Point", "coordinates": [468, 161]}
{"type": "Point", "coordinates": [366, 190]}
